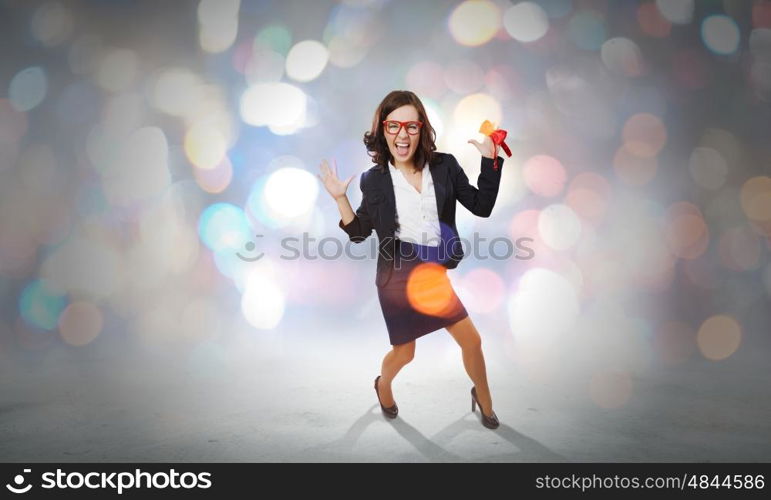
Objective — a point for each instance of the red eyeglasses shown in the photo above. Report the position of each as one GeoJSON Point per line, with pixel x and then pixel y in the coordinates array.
{"type": "Point", "coordinates": [393, 127]}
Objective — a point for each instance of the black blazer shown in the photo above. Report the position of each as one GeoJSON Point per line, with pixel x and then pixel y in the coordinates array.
{"type": "Point", "coordinates": [378, 207]}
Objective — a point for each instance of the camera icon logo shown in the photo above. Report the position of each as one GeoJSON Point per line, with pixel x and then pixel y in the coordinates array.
{"type": "Point", "coordinates": [19, 481]}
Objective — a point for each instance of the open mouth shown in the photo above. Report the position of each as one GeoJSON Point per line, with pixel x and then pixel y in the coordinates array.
{"type": "Point", "coordinates": [402, 148]}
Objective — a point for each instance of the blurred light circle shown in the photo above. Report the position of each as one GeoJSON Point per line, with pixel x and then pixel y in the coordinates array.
{"type": "Point", "coordinates": [344, 54]}
{"type": "Point", "coordinates": [40, 304]}
{"type": "Point", "coordinates": [256, 205]}
{"type": "Point", "coordinates": [739, 249]}
{"type": "Point", "coordinates": [219, 38]}
{"type": "Point", "coordinates": [277, 37]}
{"type": "Point", "coordinates": [474, 22]}
{"type": "Point", "coordinates": [503, 82]}
{"type": "Point", "coordinates": [526, 21]}
{"type": "Point", "coordinates": [291, 192]}
{"type": "Point", "coordinates": [262, 303]}
{"type": "Point", "coordinates": [644, 134]}
{"type": "Point", "coordinates": [761, 15]}
{"type": "Point", "coordinates": [117, 70]}
{"type": "Point", "coordinates": [633, 169]}
{"type": "Point", "coordinates": [720, 34]}
{"type": "Point", "coordinates": [544, 175]}
{"type": "Point", "coordinates": [708, 168]}
{"type": "Point", "coordinates": [651, 22]}
{"type": "Point", "coordinates": [610, 389]}
{"type": "Point", "coordinates": [217, 179]}
{"type": "Point", "coordinates": [429, 290]}
{"type": "Point", "coordinates": [214, 12]}
{"type": "Point", "coordinates": [426, 79]}
{"type": "Point", "coordinates": [28, 88]}
{"type": "Point", "coordinates": [306, 60]}
{"type": "Point", "coordinates": [224, 228]}
{"type": "Point", "coordinates": [463, 76]}
{"type": "Point", "coordinates": [719, 337]}
{"type": "Point", "coordinates": [176, 91]}
{"type": "Point", "coordinates": [51, 24]}
{"type": "Point", "coordinates": [218, 24]}
{"type": "Point", "coordinates": [686, 232]}
{"type": "Point", "coordinates": [273, 104]}
{"type": "Point", "coordinates": [586, 29]}
{"type": "Point", "coordinates": [756, 199]}
{"type": "Point", "coordinates": [525, 225]}
{"type": "Point", "coordinates": [589, 195]}
{"type": "Point", "coordinates": [205, 146]}
{"type": "Point", "coordinates": [559, 226]}
{"type": "Point", "coordinates": [724, 142]}
{"type": "Point", "coordinates": [651, 264]}
{"type": "Point", "coordinates": [676, 11]}
{"type": "Point", "coordinates": [482, 290]}
{"type": "Point", "coordinates": [350, 33]}
{"type": "Point", "coordinates": [474, 109]}
{"type": "Point", "coordinates": [80, 323]}
{"type": "Point", "coordinates": [622, 56]}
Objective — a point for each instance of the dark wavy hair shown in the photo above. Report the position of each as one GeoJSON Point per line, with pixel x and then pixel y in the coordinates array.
{"type": "Point", "coordinates": [375, 140]}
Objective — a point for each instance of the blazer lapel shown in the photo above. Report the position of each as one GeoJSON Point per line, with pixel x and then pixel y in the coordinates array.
{"type": "Point", "coordinates": [439, 176]}
{"type": "Point", "coordinates": [387, 214]}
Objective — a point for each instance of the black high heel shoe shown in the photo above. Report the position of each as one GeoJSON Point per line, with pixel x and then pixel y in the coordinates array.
{"type": "Point", "coordinates": [389, 412]}
{"type": "Point", "coordinates": [490, 422]}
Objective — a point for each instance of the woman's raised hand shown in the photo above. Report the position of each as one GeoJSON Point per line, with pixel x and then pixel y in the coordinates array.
{"type": "Point", "coordinates": [335, 187]}
{"type": "Point", "coordinates": [486, 147]}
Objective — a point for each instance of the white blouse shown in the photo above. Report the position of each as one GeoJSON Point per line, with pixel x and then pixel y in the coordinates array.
{"type": "Point", "coordinates": [416, 215]}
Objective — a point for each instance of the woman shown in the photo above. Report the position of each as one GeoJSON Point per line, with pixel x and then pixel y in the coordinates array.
{"type": "Point", "coordinates": [408, 198]}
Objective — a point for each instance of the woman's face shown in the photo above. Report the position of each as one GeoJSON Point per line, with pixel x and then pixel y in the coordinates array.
{"type": "Point", "coordinates": [403, 145]}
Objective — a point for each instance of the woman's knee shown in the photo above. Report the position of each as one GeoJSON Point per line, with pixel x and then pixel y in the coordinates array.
{"type": "Point", "coordinates": [466, 335]}
{"type": "Point", "coordinates": [472, 341]}
{"type": "Point", "coordinates": [405, 352]}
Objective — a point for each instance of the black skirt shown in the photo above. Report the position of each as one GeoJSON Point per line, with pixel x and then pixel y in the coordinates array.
{"type": "Point", "coordinates": [419, 298]}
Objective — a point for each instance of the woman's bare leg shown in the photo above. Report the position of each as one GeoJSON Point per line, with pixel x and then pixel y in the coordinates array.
{"type": "Point", "coordinates": [394, 361]}
{"type": "Point", "coordinates": [466, 335]}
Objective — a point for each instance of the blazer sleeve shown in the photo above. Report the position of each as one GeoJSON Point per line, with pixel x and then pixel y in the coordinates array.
{"type": "Point", "coordinates": [479, 201]}
{"type": "Point", "coordinates": [361, 226]}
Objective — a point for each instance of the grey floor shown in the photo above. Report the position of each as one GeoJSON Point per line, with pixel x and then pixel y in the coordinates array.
{"type": "Point", "coordinates": [294, 398]}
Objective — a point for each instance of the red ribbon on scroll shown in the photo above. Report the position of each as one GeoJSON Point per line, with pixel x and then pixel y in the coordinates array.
{"type": "Point", "coordinates": [497, 136]}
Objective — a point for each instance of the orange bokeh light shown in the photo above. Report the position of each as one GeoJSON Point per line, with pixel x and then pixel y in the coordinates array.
{"type": "Point", "coordinates": [686, 232]}
{"type": "Point", "coordinates": [644, 134]}
{"type": "Point", "coordinates": [429, 290]}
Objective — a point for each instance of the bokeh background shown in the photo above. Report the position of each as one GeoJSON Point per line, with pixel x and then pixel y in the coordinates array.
{"type": "Point", "coordinates": [150, 151]}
